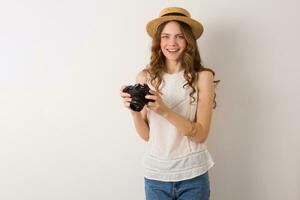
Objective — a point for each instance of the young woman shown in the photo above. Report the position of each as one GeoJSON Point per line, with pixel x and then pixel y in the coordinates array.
{"type": "Point", "coordinates": [176, 125]}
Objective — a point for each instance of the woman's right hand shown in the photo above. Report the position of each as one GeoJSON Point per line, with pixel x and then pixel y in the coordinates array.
{"type": "Point", "coordinates": [126, 98]}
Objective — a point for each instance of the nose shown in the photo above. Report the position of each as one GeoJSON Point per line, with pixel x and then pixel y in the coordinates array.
{"type": "Point", "coordinates": [172, 41]}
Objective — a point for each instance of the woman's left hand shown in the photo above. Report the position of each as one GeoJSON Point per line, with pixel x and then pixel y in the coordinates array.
{"type": "Point", "coordinates": [158, 105]}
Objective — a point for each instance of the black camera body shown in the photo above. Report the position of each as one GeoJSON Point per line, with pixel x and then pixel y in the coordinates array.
{"type": "Point", "coordinates": [138, 93]}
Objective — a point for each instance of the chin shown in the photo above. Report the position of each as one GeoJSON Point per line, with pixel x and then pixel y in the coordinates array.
{"type": "Point", "coordinates": [173, 59]}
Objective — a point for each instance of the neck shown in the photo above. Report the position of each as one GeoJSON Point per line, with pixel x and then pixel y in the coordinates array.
{"type": "Point", "coordinates": [173, 66]}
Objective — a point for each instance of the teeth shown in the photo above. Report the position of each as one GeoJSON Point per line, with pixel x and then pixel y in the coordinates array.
{"type": "Point", "coordinates": [173, 50]}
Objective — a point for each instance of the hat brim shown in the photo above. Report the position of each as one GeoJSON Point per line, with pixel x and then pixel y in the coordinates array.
{"type": "Point", "coordinates": [152, 26]}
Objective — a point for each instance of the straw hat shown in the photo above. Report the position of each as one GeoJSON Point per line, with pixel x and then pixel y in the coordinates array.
{"type": "Point", "coordinates": [174, 13]}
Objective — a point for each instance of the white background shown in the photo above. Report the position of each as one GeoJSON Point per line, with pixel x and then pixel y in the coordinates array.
{"type": "Point", "coordinates": [65, 135]}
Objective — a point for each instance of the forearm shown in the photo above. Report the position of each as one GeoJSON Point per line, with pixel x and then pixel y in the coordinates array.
{"type": "Point", "coordinates": [193, 130]}
{"type": "Point", "coordinates": [141, 125]}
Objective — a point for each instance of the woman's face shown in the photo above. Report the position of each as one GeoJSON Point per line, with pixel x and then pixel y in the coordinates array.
{"type": "Point", "coordinates": [172, 41]}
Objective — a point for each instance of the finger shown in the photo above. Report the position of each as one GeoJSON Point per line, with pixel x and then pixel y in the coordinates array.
{"type": "Point", "coordinates": [153, 97]}
{"type": "Point", "coordinates": [122, 87]}
{"type": "Point", "coordinates": [126, 99]}
{"type": "Point", "coordinates": [124, 94]}
{"type": "Point", "coordinates": [150, 104]}
{"type": "Point", "coordinates": [127, 104]}
{"type": "Point", "coordinates": [152, 91]}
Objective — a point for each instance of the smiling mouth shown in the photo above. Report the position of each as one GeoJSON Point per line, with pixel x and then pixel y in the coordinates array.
{"type": "Point", "coordinates": [172, 50]}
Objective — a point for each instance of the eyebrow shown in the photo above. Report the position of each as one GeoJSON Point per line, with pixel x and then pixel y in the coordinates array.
{"type": "Point", "coordinates": [170, 34]}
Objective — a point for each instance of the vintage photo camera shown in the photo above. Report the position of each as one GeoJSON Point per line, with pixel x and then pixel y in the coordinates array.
{"type": "Point", "coordinates": [138, 93]}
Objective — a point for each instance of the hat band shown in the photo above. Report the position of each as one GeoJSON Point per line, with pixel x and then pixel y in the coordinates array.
{"type": "Point", "coordinates": [175, 14]}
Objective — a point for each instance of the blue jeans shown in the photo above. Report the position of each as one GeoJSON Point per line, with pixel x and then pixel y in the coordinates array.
{"type": "Point", "coordinates": [197, 188]}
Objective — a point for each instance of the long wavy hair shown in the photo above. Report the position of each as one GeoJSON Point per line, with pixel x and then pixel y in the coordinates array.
{"type": "Point", "coordinates": [191, 61]}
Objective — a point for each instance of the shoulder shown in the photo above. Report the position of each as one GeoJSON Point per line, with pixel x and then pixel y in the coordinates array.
{"type": "Point", "coordinates": [205, 71]}
{"type": "Point", "coordinates": [142, 76]}
{"type": "Point", "coordinates": [206, 74]}
{"type": "Point", "coordinates": [205, 79]}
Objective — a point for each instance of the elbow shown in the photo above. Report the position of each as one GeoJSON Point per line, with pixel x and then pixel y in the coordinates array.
{"type": "Point", "coordinates": [202, 140]}
{"type": "Point", "coordinates": [198, 141]}
{"type": "Point", "coordinates": [201, 134]}
{"type": "Point", "coordinates": [146, 138]}
{"type": "Point", "coordinates": [200, 137]}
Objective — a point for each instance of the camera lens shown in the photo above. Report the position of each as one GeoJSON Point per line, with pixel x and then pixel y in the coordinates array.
{"type": "Point", "coordinates": [136, 105]}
